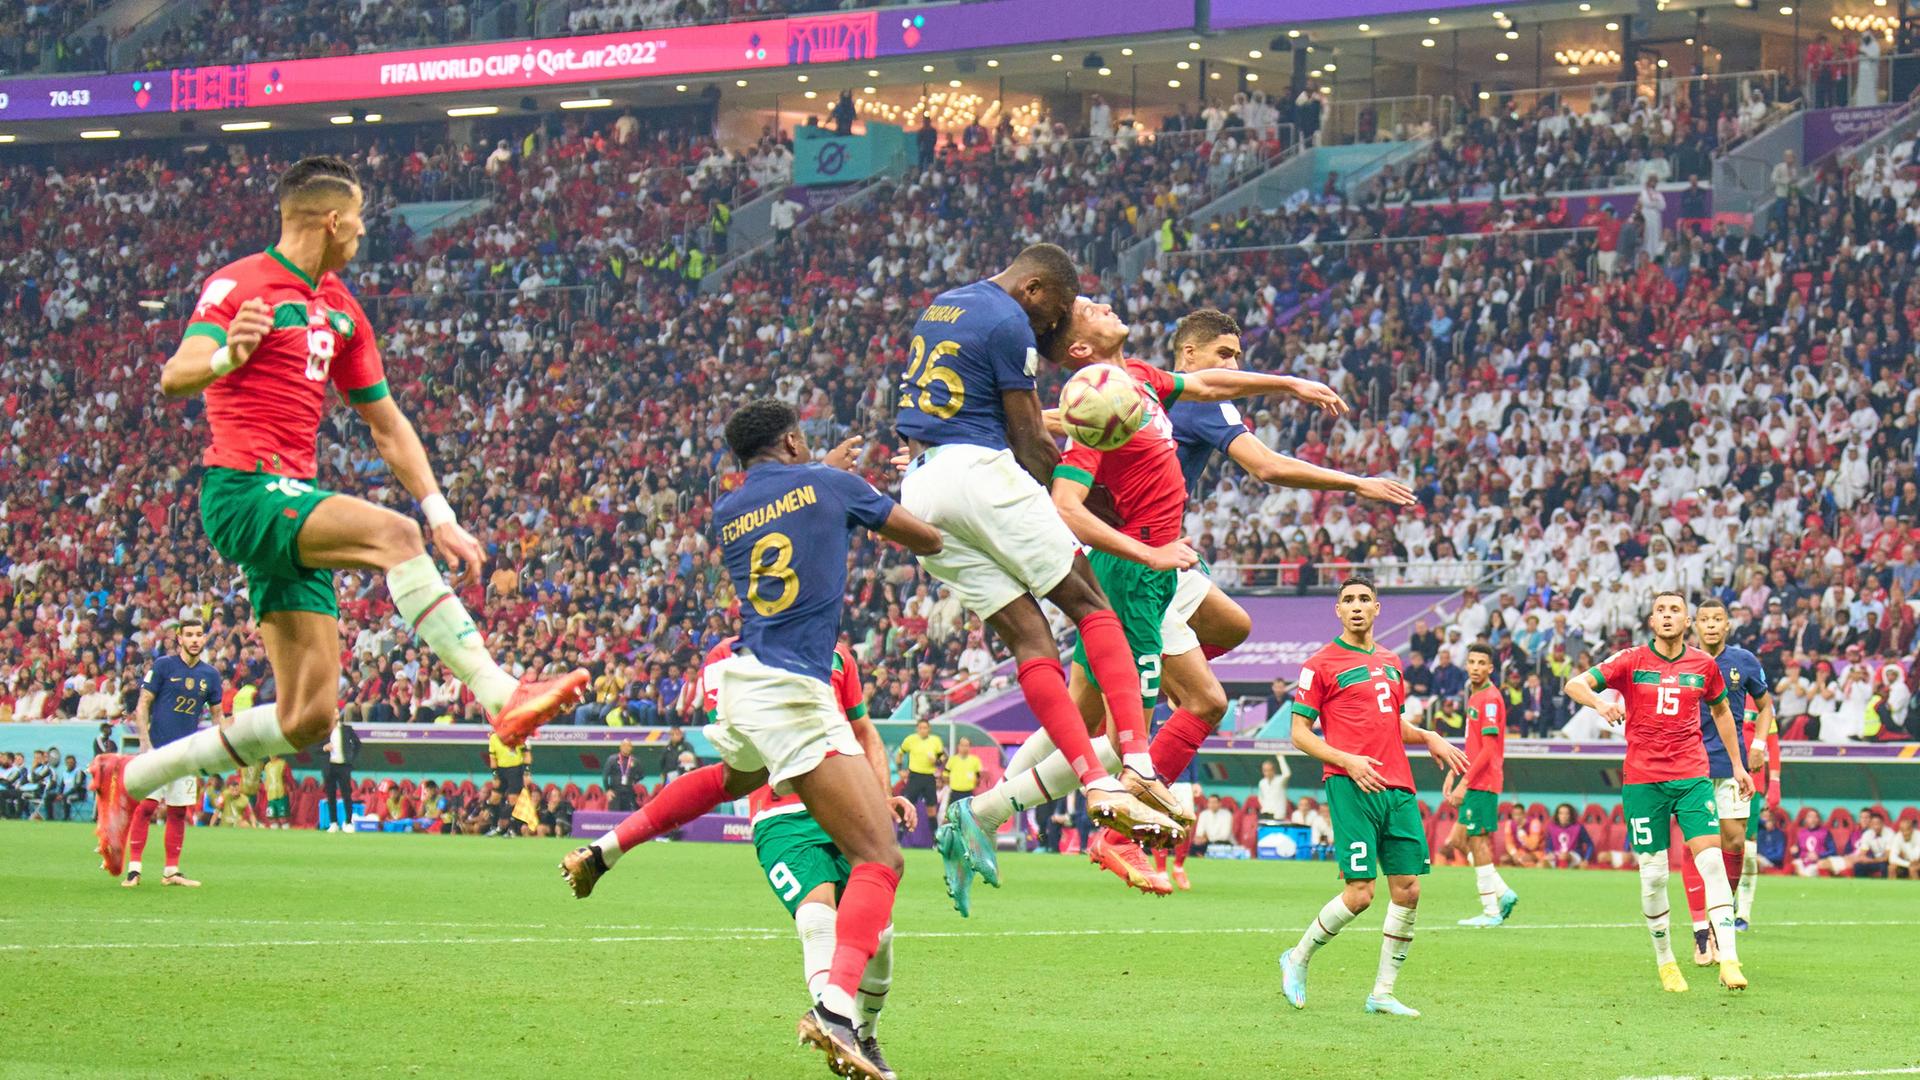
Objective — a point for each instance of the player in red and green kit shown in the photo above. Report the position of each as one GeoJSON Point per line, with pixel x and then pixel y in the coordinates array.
{"type": "Point", "coordinates": [267, 336]}
{"type": "Point", "coordinates": [1355, 690]}
{"type": "Point", "coordinates": [1477, 795]}
{"type": "Point", "coordinates": [1664, 684]}
{"type": "Point", "coordinates": [1137, 551]}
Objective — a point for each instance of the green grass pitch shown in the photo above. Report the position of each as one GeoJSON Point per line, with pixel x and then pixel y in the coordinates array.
{"type": "Point", "coordinates": [352, 956]}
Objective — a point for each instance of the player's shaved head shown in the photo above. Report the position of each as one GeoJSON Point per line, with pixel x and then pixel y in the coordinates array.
{"type": "Point", "coordinates": [1042, 280]}
{"type": "Point", "coordinates": [759, 426]}
{"type": "Point", "coordinates": [1051, 264]}
{"type": "Point", "coordinates": [315, 182]}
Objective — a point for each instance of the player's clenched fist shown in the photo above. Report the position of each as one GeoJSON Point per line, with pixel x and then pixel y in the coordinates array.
{"type": "Point", "coordinates": [249, 327]}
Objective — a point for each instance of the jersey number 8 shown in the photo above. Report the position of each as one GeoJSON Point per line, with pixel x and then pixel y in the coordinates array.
{"type": "Point", "coordinates": [924, 369]}
{"type": "Point", "coordinates": [778, 569]}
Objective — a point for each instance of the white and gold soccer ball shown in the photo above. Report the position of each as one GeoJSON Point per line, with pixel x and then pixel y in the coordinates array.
{"type": "Point", "coordinates": [1102, 406]}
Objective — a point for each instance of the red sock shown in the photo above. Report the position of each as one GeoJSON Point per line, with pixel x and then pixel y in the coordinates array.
{"type": "Point", "coordinates": [1696, 888]}
{"type": "Point", "coordinates": [176, 837]}
{"type": "Point", "coordinates": [1043, 682]}
{"type": "Point", "coordinates": [1180, 850]}
{"type": "Point", "coordinates": [1214, 652]}
{"type": "Point", "coordinates": [1177, 743]}
{"type": "Point", "coordinates": [866, 907]}
{"type": "Point", "coordinates": [685, 797]}
{"type": "Point", "coordinates": [1733, 864]}
{"type": "Point", "coordinates": [137, 832]}
{"type": "Point", "coordinates": [1160, 859]}
{"type": "Point", "coordinates": [1110, 659]}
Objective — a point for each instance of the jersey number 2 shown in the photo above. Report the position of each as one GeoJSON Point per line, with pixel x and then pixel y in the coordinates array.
{"type": "Point", "coordinates": [924, 369]}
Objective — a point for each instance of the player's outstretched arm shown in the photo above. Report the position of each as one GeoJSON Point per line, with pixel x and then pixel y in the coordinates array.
{"type": "Point", "coordinates": [911, 533]}
{"type": "Point", "coordinates": [200, 360]}
{"type": "Point", "coordinates": [1027, 434]}
{"type": "Point", "coordinates": [1070, 498]}
{"type": "Point", "coordinates": [399, 445]}
{"type": "Point", "coordinates": [1265, 465]}
{"type": "Point", "coordinates": [1226, 384]}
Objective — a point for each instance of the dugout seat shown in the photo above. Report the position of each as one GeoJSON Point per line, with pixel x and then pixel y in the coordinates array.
{"type": "Point", "coordinates": [1615, 838]}
{"type": "Point", "coordinates": [571, 793]}
{"type": "Point", "coordinates": [1910, 812]}
{"type": "Point", "coordinates": [1506, 807]}
{"type": "Point", "coordinates": [1594, 814]}
{"type": "Point", "coordinates": [1537, 810]}
{"type": "Point", "coordinates": [1841, 816]}
{"type": "Point", "coordinates": [467, 790]}
{"type": "Point", "coordinates": [1619, 815]}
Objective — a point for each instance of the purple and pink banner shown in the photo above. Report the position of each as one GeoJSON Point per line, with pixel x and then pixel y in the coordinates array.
{"type": "Point", "coordinates": [516, 65]}
{"type": "Point", "coordinates": [1235, 14]}
{"type": "Point", "coordinates": [1827, 130]}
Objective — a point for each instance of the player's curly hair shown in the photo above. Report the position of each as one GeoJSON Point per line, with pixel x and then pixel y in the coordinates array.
{"type": "Point", "coordinates": [1199, 327]}
{"type": "Point", "coordinates": [757, 426]}
{"type": "Point", "coordinates": [319, 174]}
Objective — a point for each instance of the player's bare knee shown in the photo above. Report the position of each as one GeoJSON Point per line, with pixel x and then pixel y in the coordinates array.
{"type": "Point", "coordinates": [399, 538]}
{"type": "Point", "coordinates": [1209, 704]}
{"type": "Point", "coordinates": [308, 724]}
{"type": "Point", "coordinates": [1229, 629]}
{"type": "Point", "coordinates": [1359, 895]}
{"type": "Point", "coordinates": [739, 784]}
{"type": "Point", "coordinates": [1405, 893]}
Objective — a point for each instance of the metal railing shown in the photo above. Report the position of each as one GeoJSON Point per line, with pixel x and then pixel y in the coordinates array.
{"type": "Point", "coordinates": [1538, 241]}
{"type": "Point", "coordinates": [1386, 574]}
{"type": "Point", "coordinates": [1381, 119]}
{"type": "Point", "coordinates": [547, 308]}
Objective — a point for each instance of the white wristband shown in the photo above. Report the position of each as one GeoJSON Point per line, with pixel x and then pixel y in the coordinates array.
{"type": "Point", "coordinates": [222, 362]}
{"type": "Point", "coordinates": [437, 510]}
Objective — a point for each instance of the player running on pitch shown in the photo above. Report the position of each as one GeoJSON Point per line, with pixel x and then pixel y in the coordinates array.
{"type": "Point", "coordinates": [1134, 558]}
{"type": "Point", "coordinates": [804, 868]}
{"type": "Point", "coordinates": [980, 458]}
{"type": "Point", "coordinates": [1201, 621]}
{"type": "Point", "coordinates": [267, 336]}
{"type": "Point", "coordinates": [1353, 688]}
{"type": "Point", "coordinates": [784, 535]}
{"type": "Point", "coordinates": [1747, 699]}
{"type": "Point", "coordinates": [177, 692]}
{"type": "Point", "coordinates": [1666, 684]}
{"type": "Point", "coordinates": [1477, 794]}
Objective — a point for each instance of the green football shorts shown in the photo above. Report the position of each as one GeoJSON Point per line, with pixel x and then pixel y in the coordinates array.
{"type": "Point", "coordinates": [1758, 804]}
{"type": "Point", "coordinates": [1650, 808]}
{"type": "Point", "coordinates": [1140, 597]}
{"type": "Point", "coordinates": [1376, 832]}
{"type": "Point", "coordinates": [254, 520]}
{"type": "Point", "coordinates": [799, 857]}
{"type": "Point", "coordinates": [1480, 812]}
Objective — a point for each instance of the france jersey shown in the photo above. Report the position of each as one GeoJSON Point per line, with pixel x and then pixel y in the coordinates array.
{"type": "Point", "coordinates": [971, 344]}
{"type": "Point", "coordinates": [1200, 429]}
{"type": "Point", "coordinates": [182, 694]}
{"type": "Point", "coordinates": [1745, 679]}
{"type": "Point", "coordinates": [784, 535]}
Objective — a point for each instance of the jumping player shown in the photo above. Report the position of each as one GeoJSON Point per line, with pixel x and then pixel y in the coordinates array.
{"type": "Point", "coordinates": [1666, 683]}
{"type": "Point", "coordinates": [980, 458]}
{"type": "Point", "coordinates": [804, 868]}
{"type": "Point", "coordinates": [784, 535]}
{"type": "Point", "coordinates": [1477, 795]}
{"type": "Point", "coordinates": [1134, 558]}
{"type": "Point", "coordinates": [1354, 689]}
{"type": "Point", "coordinates": [178, 692]}
{"type": "Point", "coordinates": [268, 334]}
{"type": "Point", "coordinates": [1748, 700]}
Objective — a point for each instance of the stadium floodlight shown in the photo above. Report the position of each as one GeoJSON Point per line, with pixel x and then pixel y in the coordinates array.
{"type": "Point", "coordinates": [1433, 20]}
{"type": "Point", "coordinates": [8, 138]}
{"type": "Point", "coordinates": [1128, 51]}
{"type": "Point", "coordinates": [1502, 57]}
{"type": "Point", "coordinates": [1426, 43]}
{"type": "Point", "coordinates": [587, 103]}
{"type": "Point", "coordinates": [341, 119]}
{"type": "Point", "coordinates": [101, 133]}
{"type": "Point", "coordinates": [1612, 26]}
{"type": "Point", "coordinates": [1174, 83]}
{"type": "Point", "coordinates": [247, 125]}
{"type": "Point", "coordinates": [928, 68]}
{"type": "Point", "coordinates": [1183, 65]}
{"type": "Point", "coordinates": [1193, 46]}
{"type": "Point", "coordinates": [680, 88]}
{"type": "Point", "coordinates": [811, 94]}
{"type": "Point", "coordinates": [473, 110]}
{"type": "Point", "coordinates": [1106, 71]}
{"type": "Point", "coordinates": [1364, 27]}
{"type": "Point", "coordinates": [739, 82]}
{"type": "Point", "coordinates": [1056, 58]}
{"type": "Point", "coordinates": [993, 63]}
{"type": "Point", "coordinates": [1254, 54]}
{"type": "Point", "coordinates": [151, 305]}
{"type": "Point", "coordinates": [374, 118]}
{"type": "Point", "coordinates": [1253, 76]}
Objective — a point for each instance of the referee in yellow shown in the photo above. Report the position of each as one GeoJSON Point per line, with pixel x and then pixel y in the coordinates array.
{"type": "Point", "coordinates": [923, 753]}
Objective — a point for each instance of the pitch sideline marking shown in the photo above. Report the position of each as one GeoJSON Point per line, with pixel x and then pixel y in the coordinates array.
{"type": "Point", "coordinates": [1905, 1070]}
{"type": "Point", "coordinates": [768, 934]}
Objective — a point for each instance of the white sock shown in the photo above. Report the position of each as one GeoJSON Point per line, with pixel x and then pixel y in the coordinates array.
{"type": "Point", "coordinates": [815, 924]}
{"type": "Point", "coordinates": [608, 845]}
{"type": "Point", "coordinates": [874, 984]}
{"type": "Point", "coordinates": [133, 866]}
{"type": "Point", "coordinates": [1749, 879]}
{"type": "Point", "coordinates": [837, 1001]}
{"type": "Point", "coordinates": [254, 736]}
{"type": "Point", "coordinates": [438, 617]}
{"type": "Point", "coordinates": [1713, 871]}
{"type": "Point", "coordinates": [1655, 904]}
{"type": "Point", "coordinates": [170, 871]}
{"type": "Point", "coordinates": [1491, 887]}
{"type": "Point", "coordinates": [1396, 937]}
{"type": "Point", "coordinates": [1332, 919]}
{"type": "Point", "coordinates": [1051, 779]}
{"type": "Point", "coordinates": [1032, 752]}
{"type": "Point", "coordinates": [1140, 762]}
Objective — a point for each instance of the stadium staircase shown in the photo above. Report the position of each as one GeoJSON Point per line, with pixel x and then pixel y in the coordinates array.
{"type": "Point", "coordinates": [1743, 176]}
{"type": "Point", "coordinates": [425, 218]}
{"type": "Point", "coordinates": [750, 233]}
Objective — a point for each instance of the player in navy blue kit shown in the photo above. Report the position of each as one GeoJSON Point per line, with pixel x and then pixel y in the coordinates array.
{"type": "Point", "coordinates": [1203, 622]}
{"type": "Point", "coordinates": [1747, 697]}
{"type": "Point", "coordinates": [980, 463]}
{"type": "Point", "coordinates": [179, 692]}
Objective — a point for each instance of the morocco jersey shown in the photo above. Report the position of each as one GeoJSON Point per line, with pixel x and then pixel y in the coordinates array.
{"type": "Point", "coordinates": [1143, 475]}
{"type": "Point", "coordinates": [265, 415]}
{"type": "Point", "coordinates": [1664, 698]}
{"type": "Point", "coordinates": [846, 690]}
{"type": "Point", "coordinates": [1356, 696]}
{"type": "Point", "coordinates": [1486, 740]}
{"type": "Point", "coordinates": [1745, 680]}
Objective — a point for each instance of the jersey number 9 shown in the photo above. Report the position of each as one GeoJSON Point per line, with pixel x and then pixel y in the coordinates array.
{"type": "Point", "coordinates": [924, 369]}
{"type": "Point", "coordinates": [778, 569]}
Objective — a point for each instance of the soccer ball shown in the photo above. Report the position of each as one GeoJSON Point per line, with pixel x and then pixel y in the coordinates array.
{"type": "Point", "coordinates": [1102, 406]}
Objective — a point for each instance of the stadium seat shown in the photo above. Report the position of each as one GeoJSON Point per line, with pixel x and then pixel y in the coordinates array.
{"type": "Point", "coordinates": [1616, 837]}
{"type": "Point", "coordinates": [1537, 810]}
{"type": "Point", "coordinates": [1594, 814]}
{"type": "Point", "coordinates": [1619, 814]}
{"type": "Point", "coordinates": [1910, 813]}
